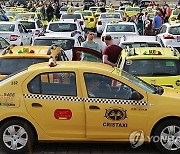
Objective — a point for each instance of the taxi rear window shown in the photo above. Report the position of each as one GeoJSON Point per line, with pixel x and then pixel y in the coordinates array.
{"type": "Point", "coordinates": [7, 27]}
{"type": "Point", "coordinates": [8, 66]}
{"type": "Point", "coordinates": [62, 27]}
{"type": "Point", "coordinates": [154, 67]}
{"type": "Point", "coordinates": [28, 25]}
{"type": "Point", "coordinates": [71, 16]}
{"type": "Point", "coordinates": [120, 28]}
{"type": "Point", "coordinates": [174, 30]}
{"type": "Point", "coordinates": [66, 44]}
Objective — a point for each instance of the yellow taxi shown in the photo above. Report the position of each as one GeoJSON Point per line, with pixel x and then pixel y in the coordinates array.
{"type": "Point", "coordinates": [28, 15]}
{"type": "Point", "coordinates": [61, 103]}
{"type": "Point", "coordinates": [159, 66]}
{"type": "Point", "coordinates": [174, 16]}
{"type": "Point", "coordinates": [15, 58]}
{"type": "Point", "coordinates": [90, 20]}
{"type": "Point", "coordinates": [131, 11]}
{"type": "Point", "coordinates": [12, 15]}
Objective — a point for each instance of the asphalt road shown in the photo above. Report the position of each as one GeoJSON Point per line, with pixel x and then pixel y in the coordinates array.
{"type": "Point", "coordinates": [91, 148]}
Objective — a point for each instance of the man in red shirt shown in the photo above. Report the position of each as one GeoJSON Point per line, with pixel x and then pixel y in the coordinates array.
{"type": "Point", "coordinates": [111, 53]}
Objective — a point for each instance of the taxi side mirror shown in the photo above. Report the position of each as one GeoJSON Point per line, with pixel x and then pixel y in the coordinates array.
{"type": "Point", "coordinates": [136, 96]}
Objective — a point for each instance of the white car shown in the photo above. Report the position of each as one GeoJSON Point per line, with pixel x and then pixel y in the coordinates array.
{"type": "Point", "coordinates": [139, 41]}
{"type": "Point", "coordinates": [66, 42]}
{"type": "Point", "coordinates": [169, 34]}
{"type": "Point", "coordinates": [105, 18]}
{"type": "Point", "coordinates": [65, 26]}
{"type": "Point", "coordinates": [3, 44]}
{"type": "Point", "coordinates": [78, 16]}
{"type": "Point", "coordinates": [35, 25]}
{"type": "Point", "coordinates": [15, 33]}
{"type": "Point", "coordinates": [118, 30]}
{"type": "Point", "coordinates": [63, 10]}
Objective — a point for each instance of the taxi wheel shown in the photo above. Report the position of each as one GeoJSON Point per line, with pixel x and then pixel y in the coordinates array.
{"type": "Point", "coordinates": [16, 137]}
{"type": "Point", "coordinates": [167, 136]}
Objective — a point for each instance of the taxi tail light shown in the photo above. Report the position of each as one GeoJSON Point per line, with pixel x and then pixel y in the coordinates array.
{"type": "Point", "coordinates": [103, 38]}
{"type": "Point", "coordinates": [99, 23]}
{"type": "Point", "coordinates": [81, 22]}
{"type": "Point", "coordinates": [13, 37]}
{"type": "Point", "coordinates": [168, 37]}
{"type": "Point", "coordinates": [91, 19]}
{"type": "Point", "coordinates": [37, 32]}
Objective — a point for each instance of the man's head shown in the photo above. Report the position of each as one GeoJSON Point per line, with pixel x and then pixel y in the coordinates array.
{"type": "Point", "coordinates": [108, 40]}
{"type": "Point", "coordinates": [90, 35]}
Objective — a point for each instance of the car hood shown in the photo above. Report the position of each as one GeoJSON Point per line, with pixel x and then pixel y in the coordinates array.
{"type": "Point", "coordinates": [171, 92]}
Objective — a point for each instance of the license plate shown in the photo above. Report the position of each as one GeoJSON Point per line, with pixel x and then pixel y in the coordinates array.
{"type": "Point", "coordinates": [115, 37]}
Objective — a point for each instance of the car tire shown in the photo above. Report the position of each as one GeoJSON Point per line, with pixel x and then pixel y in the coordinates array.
{"type": "Point", "coordinates": [98, 34]}
{"type": "Point", "coordinates": [167, 136]}
{"type": "Point", "coordinates": [17, 133]}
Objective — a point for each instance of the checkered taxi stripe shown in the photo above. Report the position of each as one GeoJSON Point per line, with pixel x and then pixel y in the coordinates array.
{"type": "Point", "coordinates": [78, 99]}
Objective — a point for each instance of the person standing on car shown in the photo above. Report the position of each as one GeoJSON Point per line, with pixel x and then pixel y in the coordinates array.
{"type": "Point", "coordinates": [148, 25]}
{"type": "Point", "coordinates": [49, 12]}
{"type": "Point", "coordinates": [90, 43]}
{"type": "Point", "coordinates": [157, 23]}
{"type": "Point", "coordinates": [112, 52]}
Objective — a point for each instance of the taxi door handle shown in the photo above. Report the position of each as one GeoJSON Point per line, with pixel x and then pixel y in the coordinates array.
{"type": "Point", "coordinates": [36, 105]}
{"type": "Point", "coordinates": [93, 107]}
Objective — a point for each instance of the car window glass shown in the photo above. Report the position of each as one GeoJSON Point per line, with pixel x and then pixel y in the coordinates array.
{"type": "Point", "coordinates": [163, 67]}
{"type": "Point", "coordinates": [100, 86]}
{"type": "Point", "coordinates": [7, 27]}
{"type": "Point", "coordinates": [62, 27]}
{"type": "Point", "coordinates": [39, 24]}
{"type": "Point", "coordinates": [20, 28]}
{"type": "Point", "coordinates": [174, 30]}
{"type": "Point", "coordinates": [120, 28]}
{"type": "Point", "coordinates": [57, 83]}
{"type": "Point", "coordinates": [66, 44]}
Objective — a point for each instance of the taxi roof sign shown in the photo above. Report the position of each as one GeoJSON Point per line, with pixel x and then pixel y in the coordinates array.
{"type": "Point", "coordinates": [152, 52]}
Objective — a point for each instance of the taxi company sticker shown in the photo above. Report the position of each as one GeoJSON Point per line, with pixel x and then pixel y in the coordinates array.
{"type": "Point", "coordinates": [129, 62]}
{"type": "Point", "coordinates": [115, 114]}
{"type": "Point", "coordinates": [169, 63]}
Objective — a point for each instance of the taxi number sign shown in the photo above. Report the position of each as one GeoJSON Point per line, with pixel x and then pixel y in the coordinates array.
{"type": "Point", "coordinates": [152, 52]}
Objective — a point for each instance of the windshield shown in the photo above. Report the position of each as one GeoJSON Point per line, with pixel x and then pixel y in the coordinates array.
{"type": "Point", "coordinates": [153, 67]}
{"type": "Point", "coordinates": [7, 27]}
{"type": "Point", "coordinates": [120, 28]}
{"type": "Point", "coordinates": [110, 15]}
{"type": "Point", "coordinates": [64, 9]}
{"type": "Point", "coordinates": [135, 80]}
{"type": "Point", "coordinates": [28, 25]}
{"type": "Point", "coordinates": [174, 30]}
{"type": "Point", "coordinates": [176, 12]}
{"type": "Point", "coordinates": [132, 9]}
{"type": "Point", "coordinates": [87, 14]}
{"type": "Point", "coordinates": [71, 16]}
{"type": "Point", "coordinates": [62, 27]}
{"type": "Point", "coordinates": [66, 44]}
{"type": "Point", "coordinates": [93, 9]}
{"type": "Point", "coordinates": [8, 66]}
{"type": "Point", "coordinates": [140, 44]}
{"type": "Point", "coordinates": [12, 13]}
{"type": "Point", "coordinates": [25, 16]}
